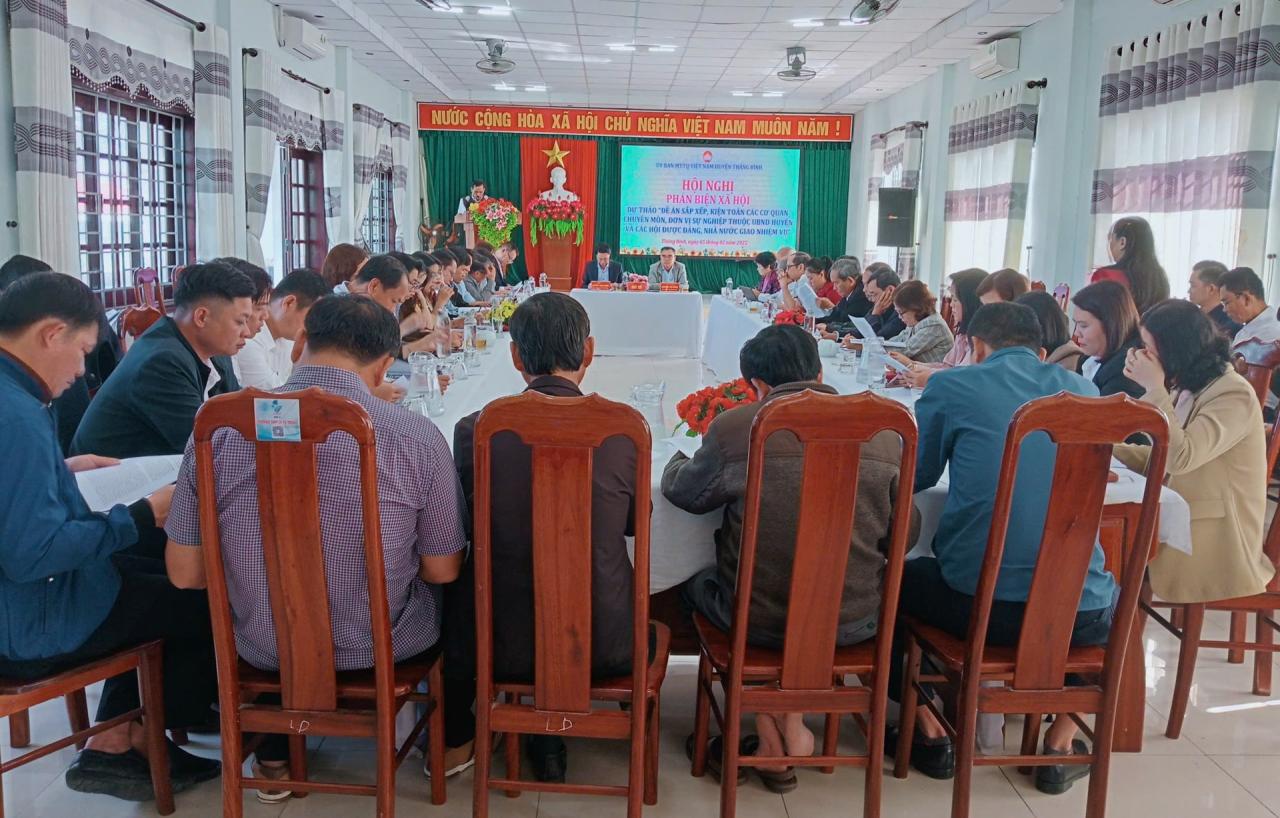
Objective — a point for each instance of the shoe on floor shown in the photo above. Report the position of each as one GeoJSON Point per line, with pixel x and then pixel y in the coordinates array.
{"type": "Point", "coordinates": [935, 757]}
{"type": "Point", "coordinates": [1057, 779]}
{"type": "Point", "coordinates": [715, 757]}
{"type": "Point", "coordinates": [456, 760]}
{"type": "Point", "coordinates": [127, 775]}
{"type": "Point", "coordinates": [549, 758]}
{"type": "Point", "coordinates": [275, 772]}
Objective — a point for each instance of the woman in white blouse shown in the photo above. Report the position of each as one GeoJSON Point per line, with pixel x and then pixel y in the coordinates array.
{"type": "Point", "coordinates": [927, 338]}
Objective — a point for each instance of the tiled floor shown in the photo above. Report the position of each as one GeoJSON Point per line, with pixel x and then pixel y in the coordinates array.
{"type": "Point", "coordinates": [1225, 764]}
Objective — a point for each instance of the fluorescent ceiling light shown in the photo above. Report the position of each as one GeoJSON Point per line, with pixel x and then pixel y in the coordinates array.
{"type": "Point", "coordinates": [742, 94]}
{"type": "Point", "coordinates": [806, 24]}
{"type": "Point", "coordinates": [502, 86]}
{"type": "Point", "coordinates": [662, 49]}
{"type": "Point", "coordinates": [771, 94]}
{"type": "Point", "coordinates": [621, 47]}
{"type": "Point", "coordinates": [536, 89]}
{"type": "Point", "coordinates": [494, 11]}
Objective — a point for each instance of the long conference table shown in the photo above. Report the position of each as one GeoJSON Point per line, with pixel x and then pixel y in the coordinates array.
{"type": "Point", "coordinates": [682, 544]}
{"type": "Point", "coordinates": [644, 324]}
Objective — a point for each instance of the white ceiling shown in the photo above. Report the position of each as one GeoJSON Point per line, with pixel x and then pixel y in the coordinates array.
{"type": "Point", "coordinates": [721, 46]}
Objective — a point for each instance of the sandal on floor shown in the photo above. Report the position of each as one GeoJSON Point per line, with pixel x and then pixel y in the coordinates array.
{"type": "Point", "coordinates": [715, 758]}
{"type": "Point", "coordinates": [778, 783]}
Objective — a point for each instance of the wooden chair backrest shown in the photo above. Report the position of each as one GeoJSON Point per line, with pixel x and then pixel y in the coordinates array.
{"type": "Point", "coordinates": [289, 514]}
{"type": "Point", "coordinates": [1257, 361]}
{"type": "Point", "coordinates": [562, 434]}
{"type": "Point", "coordinates": [1038, 286]}
{"type": "Point", "coordinates": [945, 311]}
{"type": "Point", "coordinates": [1062, 294]}
{"type": "Point", "coordinates": [136, 320]}
{"type": "Point", "coordinates": [832, 430]}
{"type": "Point", "coordinates": [1084, 431]}
{"type": "Point", "coordinates": [147, 288]}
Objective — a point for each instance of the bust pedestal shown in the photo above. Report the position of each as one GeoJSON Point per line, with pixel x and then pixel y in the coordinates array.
{"type": "Point", "coordinates": [557, 261]}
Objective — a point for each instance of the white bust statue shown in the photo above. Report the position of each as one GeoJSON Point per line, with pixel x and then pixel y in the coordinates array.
{"type": "Point", "coordinates": [557, 193]}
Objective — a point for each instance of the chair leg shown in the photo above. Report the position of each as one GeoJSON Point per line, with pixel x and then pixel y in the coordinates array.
{"type": "Point", "coordinates": [435, 734]}
{"type": "Point", "coordinates": [1239, 632]}
{"type": "Point", "coordinates": [1263, 659]}
{"type": "Point", "coordinates": [652, 745]}
{"type": "Point", "coordinates": [484, 760]}
{"type": "Point", "coordinates": [20, 729]}
{"type": "Point", "coordinates": [1193, 624]}
{"type": "Point", "coordinates": [732, 737]}
{"type": "Point", "coordinates": [386, 761]}
{"type": "Point", "coordinates": [966, 747]}
{"type": "Point", "coordinates": [298, 761]}
{"type": "Point", "coordinates": [701, 719]}
{"type": "Point", "coordinates": [830, 739]}
{"type": "Point", "coordinates": [77, 714]}
{"type": "Point", "coordinates": [1030, 738]}
{"type": "Point", "coordinates": [907, 710]}
{"type": "Point", "coordinates": [151, 690]}
{"type": "Point", "coordinates": [1099, 775]}
{"type": "Point", "coordinates": [512, 748]}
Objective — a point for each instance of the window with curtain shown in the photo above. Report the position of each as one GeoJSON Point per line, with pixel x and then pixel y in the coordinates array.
{"type": "Point", "coordinates": [302, 234]}
{"type": "Point", "coordinates": [896, 157]}
{"type": "Point", "coordinates": [377, 229]}
{"type": "Point", "coordinates": [1187, 138]}
{"type": "Point", "coordinates": [133, 194]}
{"type": "Point", "coordinates": [989, 151]}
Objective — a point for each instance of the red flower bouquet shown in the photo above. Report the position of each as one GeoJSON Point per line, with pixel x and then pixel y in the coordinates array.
{"type": "Point", "coordinates": [495, 219]}
{"type": "Point", "coordinates": [697, 410]}
{"type": "Point", "coordinates": [555, 218]}
{"type": "Point", "coordinates": [790, 317]}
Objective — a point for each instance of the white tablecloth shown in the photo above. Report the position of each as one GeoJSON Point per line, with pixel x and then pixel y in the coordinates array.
{"type": "Point", "coordinates": [645, 324]}
{"type": "Point", "coordinates": [728, 328]}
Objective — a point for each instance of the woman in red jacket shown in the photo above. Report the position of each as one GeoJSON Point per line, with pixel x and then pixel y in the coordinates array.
{"type": "Point", "coordinates": [1133, 252]}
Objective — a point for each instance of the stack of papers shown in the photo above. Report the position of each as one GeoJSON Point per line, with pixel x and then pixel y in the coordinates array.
{"type": "Point", "coordinates": [133, 479]}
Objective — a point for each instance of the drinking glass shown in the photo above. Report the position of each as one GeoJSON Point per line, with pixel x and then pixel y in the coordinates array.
{"type": "Point", "coordinates": [845, 361]}
{"type": "Point", "coordinates": [647, 397]}
{"type": "Point", "coordinates": [421, 372]}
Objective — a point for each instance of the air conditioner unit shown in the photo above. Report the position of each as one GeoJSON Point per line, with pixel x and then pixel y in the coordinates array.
{"type": "Point", "coordinates": [995, 59]}
{"type": "Point", "coordinates": [302, 38]}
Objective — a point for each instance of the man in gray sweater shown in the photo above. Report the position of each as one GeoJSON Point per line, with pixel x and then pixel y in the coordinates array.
{"type": "Point", "coordinates": [781, 360]}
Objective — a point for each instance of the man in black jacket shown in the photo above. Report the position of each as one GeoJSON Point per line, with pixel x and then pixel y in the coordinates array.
{"type": "Point", "coordinates": [148, 406]}
{"type": "Point", "coordinates": [846, 272]}
{"type": "Point", "coordinates": [879, 282]}
{"type": "Point", "coordinates": [602, 269]}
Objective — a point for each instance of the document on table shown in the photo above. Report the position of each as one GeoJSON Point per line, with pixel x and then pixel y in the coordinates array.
{"type": "Point", "coordinates": [128, 482]}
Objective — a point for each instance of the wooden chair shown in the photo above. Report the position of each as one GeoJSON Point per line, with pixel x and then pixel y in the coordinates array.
{"type": "Point", "coordinates": [807, 674]}
{"type": "Point", "coordinates": [944, 309]}
{"type": "Point", "coordinates": [562, 434]}
{"type": "Point", "coordinates": [1038, 286]}
{"type": "Point", "coordinates": [315, 698]}
{"type": "Point", "coordinates": [1033, 672]}
{"type": "Point", "coordinates": [147, 309]}
{"type": "Point", "coordinates": [18, 696]}
{"type": "Point", "coordinates": [1062, 294]}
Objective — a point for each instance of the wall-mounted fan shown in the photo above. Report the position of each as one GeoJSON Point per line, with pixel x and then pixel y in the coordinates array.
{"type": "Point", "coordinates": [871, 11]}
{"type": "Point", "coordinates": [797, 72]}
{"type": "Point", "coordinates": [496, 63]}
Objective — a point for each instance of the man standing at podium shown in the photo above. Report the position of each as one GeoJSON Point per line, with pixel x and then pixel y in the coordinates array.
{"type": "Point", "coordinates": [477, 195]}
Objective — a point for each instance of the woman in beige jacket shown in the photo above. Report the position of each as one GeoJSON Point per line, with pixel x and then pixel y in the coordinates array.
{"type": "Point", "coordinates": [1217, 456]}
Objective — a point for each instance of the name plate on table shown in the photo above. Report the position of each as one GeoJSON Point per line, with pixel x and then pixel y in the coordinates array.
{"type": "Point", "coordinates": [637, 286]}
{"type": "Point", "coordinates": [668, 287]}
{"type": "Point", "coordinates": [600, 285]}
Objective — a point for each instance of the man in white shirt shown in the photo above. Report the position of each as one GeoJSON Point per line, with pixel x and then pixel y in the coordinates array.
{"type": "Point", "coordinates": [266, 360]}
{"type": "Point", "coordinates": [1245, 299]}
{"type": "Point", "coordinates": [478, 194]}
{"type": "Point", "coordinates": [667, 270]}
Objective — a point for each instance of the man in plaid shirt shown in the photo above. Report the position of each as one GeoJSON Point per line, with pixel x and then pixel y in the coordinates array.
{"type": "Point", "coordinates": [349, 342]}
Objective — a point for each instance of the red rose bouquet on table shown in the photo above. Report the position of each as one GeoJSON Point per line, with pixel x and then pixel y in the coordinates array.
{"type": "Point", "coordinates": [698, 409]}
{"type": "Point", "coordinates": [495, 219]}
{"type": "Point", "coordinates": [555, 218]}
{"type": "Point", "coordinates": [790, 317]}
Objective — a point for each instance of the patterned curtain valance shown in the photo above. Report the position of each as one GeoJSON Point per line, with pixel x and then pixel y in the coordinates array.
{"type": "Point", "coordinates": [100, 62]}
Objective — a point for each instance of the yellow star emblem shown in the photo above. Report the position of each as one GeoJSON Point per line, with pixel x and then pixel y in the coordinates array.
{"type": "Point", "coordinates": [555, 156]}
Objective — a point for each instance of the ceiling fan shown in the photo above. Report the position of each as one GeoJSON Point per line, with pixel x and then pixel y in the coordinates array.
{"type": "Point", "coordinates": [496, 63]}
{"type": "Point", "coordinates": [871, 11]}
{"type": "Point", "coordinates": [797, 72]}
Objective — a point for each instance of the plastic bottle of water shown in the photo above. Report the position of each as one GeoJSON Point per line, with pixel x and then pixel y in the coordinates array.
{"type": "Point", "coordinates": [728, 288]}
{"type": "Point", "coordinates": [542, 281]}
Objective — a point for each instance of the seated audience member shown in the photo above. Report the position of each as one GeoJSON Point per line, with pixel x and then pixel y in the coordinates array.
{"type": "Point", "coordinates": [964, 305]}
{"type": "Point", "coordinates": [427, 326]}
{"type": "Point", "coordinates": [1217, 455]}
{"type": "Point", "coordinates": [414, 267]}
{"type": "Point", "coordinates": [74, 586]}
{"type": "Point", "coordinates": [1107, 328]}
{"type": "Point", "coordinates": [881, 282]}
{"type": "Point", "coordinates": [384, 279]}
{"type": "Point", "coordinates": [507, 254]}
{"type": "Point", "coordinates": [602, 268]}
{"type": "Point", "coordinates": [1245, 299]}
{"type": "Point", "coordinates": [779, 361]}
{"type": "Point", "coordinates": [148, 406]}
{"type": "Point", "coordinates": [927, 337]}
{"type": "Point", "coordinates": [793, 278]}
{"type": "Point", "coordinates": [266, 359]}
{"type": "Point", "coordinates": [666, 270]}
{"type": "Point", "coordinates": [551, 349]}
{"type": "Point", "coordinates": [963, 417]}
{"type": "Point", "coordinates": [477, 287]}
{"type": "Point", "coordinates": [349, 342]}
{"type": "Point", "coordinates": [1133, 250]}
{"type": "Point", "coordinates": [341, 264]}
{"type": "Point", "coordinates": [462, 269]}
{"type": "Point", "coordinates": [847, 274]}
{"type": "Point", "coordinates": [1055, 331]}
{"type": "Point", "coordinates": [1003, 285]}
{"type": "Point", "coordinates": [767, 267]}
{"type": "Point", "coordinates": [1204, 291]}
{"type": "Point", "coordinates": [818, 270]}
{"type": "Point", "coordinates": [262, 287]}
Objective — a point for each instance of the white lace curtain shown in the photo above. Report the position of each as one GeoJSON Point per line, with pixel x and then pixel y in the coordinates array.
{"type": "Point", "coordinates": [379, 145]}
{"type": "Point", "coordinates": [896, 157]}
{"type": "Point", "coordinates": [1188, 138]}
{"type": "Point", "coordinates": [989, 150]}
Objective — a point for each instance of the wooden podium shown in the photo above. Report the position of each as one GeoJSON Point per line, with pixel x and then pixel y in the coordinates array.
{"type": "Point", "coordinates": [557, 262]}
{"type": "Point", "coordinates": [468, 229]}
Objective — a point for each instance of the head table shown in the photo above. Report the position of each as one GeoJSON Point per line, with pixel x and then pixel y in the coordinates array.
{"type": "Point", "coordinates": [644, 324]}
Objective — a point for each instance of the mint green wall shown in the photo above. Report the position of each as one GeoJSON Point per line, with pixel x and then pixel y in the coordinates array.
{"type": "Point", "coordinates": [1069, 49]}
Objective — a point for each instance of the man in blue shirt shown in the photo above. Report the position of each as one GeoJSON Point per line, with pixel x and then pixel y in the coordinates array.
{"type": "Point", "coordinates": [74, 586]}
{"type": "Point", "coordinates": [963, 417]}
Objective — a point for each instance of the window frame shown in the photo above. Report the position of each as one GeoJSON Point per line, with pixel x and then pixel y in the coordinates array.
{"type": "Point", "coordinates": [302, 204]}
{"type": "Point", "coordinates": [381, 213]}
{"type": "Point", "coordinates": [131, 248]}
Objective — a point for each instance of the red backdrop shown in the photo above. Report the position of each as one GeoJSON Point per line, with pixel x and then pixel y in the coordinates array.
{"type": "Point", "coordinates": [535, 177]}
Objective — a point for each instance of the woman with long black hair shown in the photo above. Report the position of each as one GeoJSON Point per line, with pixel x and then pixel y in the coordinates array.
{"type": "Point", "coordinates": [1133, 252]}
